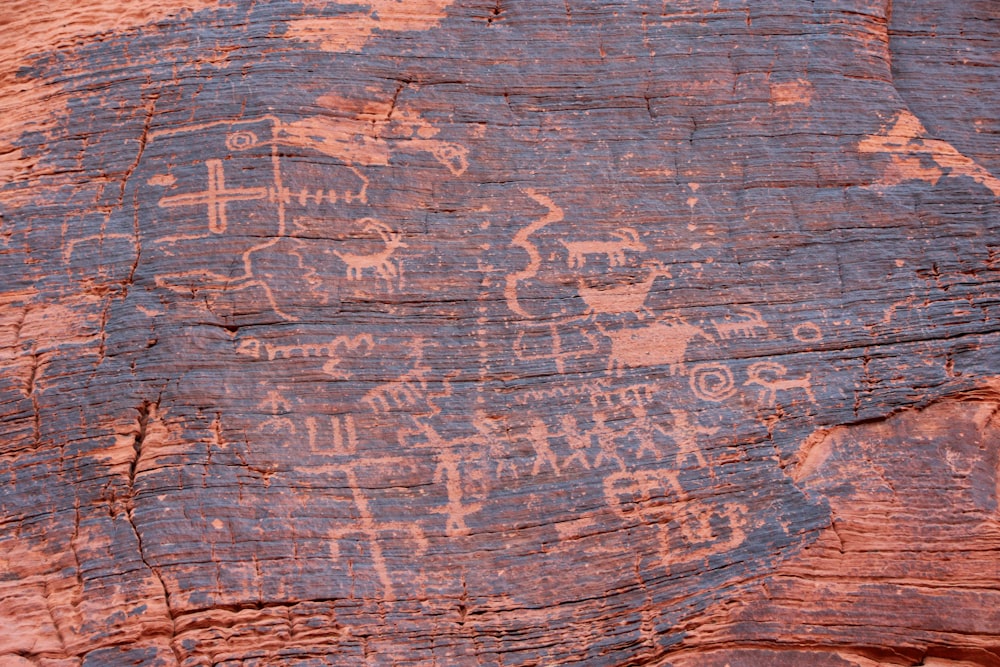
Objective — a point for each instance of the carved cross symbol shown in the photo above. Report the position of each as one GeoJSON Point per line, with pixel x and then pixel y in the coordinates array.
{"type": "Point", "coordinates": [215, 196]}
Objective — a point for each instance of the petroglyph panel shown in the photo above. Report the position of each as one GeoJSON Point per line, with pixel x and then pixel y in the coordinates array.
{"type": "Point", "coordinates": [444, 333]}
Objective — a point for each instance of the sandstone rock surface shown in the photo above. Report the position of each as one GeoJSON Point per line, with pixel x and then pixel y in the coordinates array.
{"type": "Point", "coordinates": [461, 332]}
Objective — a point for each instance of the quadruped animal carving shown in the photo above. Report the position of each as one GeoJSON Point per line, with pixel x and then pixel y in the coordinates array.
{"type": "Point", "coordinates": [381, 262]}
{"type": "Point", "coordinates": [266, 195]}
{"type": "Point", "coordinates": [411, 390]}
{"type": "Point", "coordinates": [451, 155]}
{"type": "Point", "coordinates": [627, 239]}
{"type": "Point", "coordinates": [619, 299]}
{"type": "Point", "coordinates": [770, 377]}
{"type": "Point", "coordinates": [229, 192]}
{"type": "Point", "coordinates": [664, 342]}
{"type": "Point", "coordinates": [747, 322]}
{"type": "Point", "coordinates": [908, 145]}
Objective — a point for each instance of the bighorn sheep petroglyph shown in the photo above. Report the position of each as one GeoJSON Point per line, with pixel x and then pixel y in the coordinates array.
{"type": "Point", "coordinates": [380, 262]}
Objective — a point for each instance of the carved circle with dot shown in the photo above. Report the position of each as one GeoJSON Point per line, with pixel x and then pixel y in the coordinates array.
{"type": "Point", "coordinates": [241, 140]}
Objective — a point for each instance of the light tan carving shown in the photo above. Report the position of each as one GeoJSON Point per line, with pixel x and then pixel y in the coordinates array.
{"type": "Point", "coordinates": [192, 282]}
{"type": "Point", "coordinates": [284, 425]}
{"type": "Point", "coordinates": [252, 347]}
{"type": "Point", "coordinates": [353, 141]}
{"type": "Point", "coordinates": [619, 299]}
{"type": "Point", "coordinates": [745, 324]}
{"type": "Point", "coordinates": [341, 426]}
{"type": "Point", "coordinates": [277, 407]}
{"type": "Point", "coordinates": [608, 449]}
{"type": "Point", "coordinates": [685, 432]}
{"type": "Point", "coordinates": [555, 214]}
{"type": "Point", "coordinates": [368, 135]}
{"type": "Point", "coordinates": [698, 537]}
{"type": "Point", "coordinates": [643, 427]}
{"type": "Point", "coordinates": [381, 262]}
{"type": "Point", "coordinates": [594, 391]}
{"type": "Point", "coordinates": [906, 141]}
{"type": "Point", "coordinates": [664, 342]}
{"type": "Point", "coordinates": [625, 240]}
{"type": "Point", "coordinates": [372, 530]}
{"type": "Point", "coordinates": [453, 156]}
{"type": "Point", "coordinates": [392, 395]}
{"type": "Point", "coordinates": [578, 443]}
{"type": "Point", "coordinates": [712, 382]}
{"type": "Point", "coordinates": [410, 390]}
{"type": "Point", "coordinates": [448, 471]}
{"type": "Point", "coordinates": [770, 377]}
{"type": "Point", "coordinates": [215, 197]}
{"type": "Point", "coordinates": [809, 332]}
{"type": "Point", "coordinates": [488, 433]}
{"type": "Point", "coordinates": [554, 340]}
{"type": "Point", "coordinates": [539, 435]}
{"type": "Point", "coordinates": [684, 525]}
{"type": "Point", "coordinates": [100, 238]}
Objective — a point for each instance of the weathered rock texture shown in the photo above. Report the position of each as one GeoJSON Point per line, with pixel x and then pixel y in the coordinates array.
{"type": "Point", "coordinates": [499, 332]}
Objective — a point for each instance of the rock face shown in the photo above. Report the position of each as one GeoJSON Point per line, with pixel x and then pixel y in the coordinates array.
{"type": "Point", "coordinates": [468, 332]}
